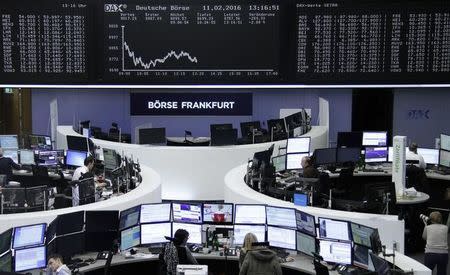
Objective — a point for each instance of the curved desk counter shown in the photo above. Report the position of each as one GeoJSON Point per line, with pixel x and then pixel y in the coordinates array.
{"type": "Point", "coordinates": [192, 173]}
{"type": "Point", "coordinates": [149, 191]}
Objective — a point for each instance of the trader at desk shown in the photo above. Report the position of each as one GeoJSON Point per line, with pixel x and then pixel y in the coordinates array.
{"type": "Point", "coordinates": [412, 155]}
{"type": "Point", "coordinates": [80, 172]}
{"type": "Point", "coordinates": [308, 169]}
{"type": "Point", "coordinates": [6, 166]}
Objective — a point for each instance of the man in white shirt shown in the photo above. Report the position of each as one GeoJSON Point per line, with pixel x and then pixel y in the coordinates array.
{"type": "Point", "coordinates": [80, 171]}
{"type": "Point", "coordinates": [56, 266]}
{"type": "Point", "coordinates": [411, 155]}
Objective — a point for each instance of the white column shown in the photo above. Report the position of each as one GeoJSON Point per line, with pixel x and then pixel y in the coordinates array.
{"type": "Point", "coordinates": [399, 164]}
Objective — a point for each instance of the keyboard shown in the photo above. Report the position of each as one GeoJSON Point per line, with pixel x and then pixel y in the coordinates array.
{"type": "Point", "coordinates": [293, 179]}
{"type": "Point", "coordinates": [373, 170]}
{"type": "Point", "coordinates": [442, 172]}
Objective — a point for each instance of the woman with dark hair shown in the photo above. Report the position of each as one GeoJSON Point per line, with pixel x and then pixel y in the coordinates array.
{"type": "Point", "coordinates": [176, 252]}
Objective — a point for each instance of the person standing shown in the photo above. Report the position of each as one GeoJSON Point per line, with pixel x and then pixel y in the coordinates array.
{"type": "Point", "coordinates": [436, 248]}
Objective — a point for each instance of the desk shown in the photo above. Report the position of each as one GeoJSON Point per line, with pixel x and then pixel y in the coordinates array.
{"type": "Point", "coordinates": [302, 263]}
{"type": "Point", "coordinates": [408, 200]}
{"type": "Point", "coordinates": [188, 141]}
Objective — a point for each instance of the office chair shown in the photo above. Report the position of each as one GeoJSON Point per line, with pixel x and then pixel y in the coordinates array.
{"type": "Point", "coordinates": [416, 177]}
{"type": "Point", "coordinates": [343, 183]}
{"type": "Point", "coordinates": [40, 175]}
{"type": "Point", "coordinates": [320, 268]}
{"type": "Point", "coordinates": [64, 199]}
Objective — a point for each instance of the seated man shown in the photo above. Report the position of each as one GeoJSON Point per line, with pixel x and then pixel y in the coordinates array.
{"type": "Point", "coordinates": [56, 266]}
{"type": "Point", "coordinates": [308, 169]}
{"type": "Point", "coordinates": [6, 166]}
{"type": "Point", "coordinates": [413, 157]}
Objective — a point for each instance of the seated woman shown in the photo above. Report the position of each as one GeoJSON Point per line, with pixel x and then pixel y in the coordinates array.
{"type": "Point", "coordinates": [176, 252]}
{"type": "Point", "coordinates": [258, 260]}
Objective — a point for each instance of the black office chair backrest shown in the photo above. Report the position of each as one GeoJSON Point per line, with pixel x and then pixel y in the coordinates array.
{"type": "Point", "coordinates": [416, 177]}
{"type": "Point", "coordinates": [320, 268]}
{"type": "Point", "coordinates": [3, 180]}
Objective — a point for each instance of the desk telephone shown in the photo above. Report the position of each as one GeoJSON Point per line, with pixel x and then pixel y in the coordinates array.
{"type": "Point", "coordinates": [103, 255]}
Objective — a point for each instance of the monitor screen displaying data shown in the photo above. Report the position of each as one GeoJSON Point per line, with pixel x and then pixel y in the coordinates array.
{"type": "Point", "coordinates": [187, 212]}
{"type": "Point", "coordinates": [361, 234]}
{"type": "Point", "coordinates": [155, 233]}
{"type": "Point", "coordinates": [280, 216]}
{"type": "Point", "coordinates": [250, 214]}
{"type": "Point", "coordinates": [376, 154]}
{"type": "Point", "coordinates": [279, 162]}
{"type": "Point", "coordinates": [306, 244]}
{"type": "Point", "coordinates": [430, 156]}
{"type": "Point", "coordinates": [29, 235]}
{"type": "Point", "coordinates": [301, 199]}
{"type": "Point", "coordinates": [195, 231]}
{"type": "Point", "coordinates": [298, 145]}
{"type": "Point", "coordinates": [218, 213]}
{"type": "Point", "coordinates": [159, 212]}
{"type": "Point", "coordinates": [445, 142]}
{"type": "Point", "coordinates": [336, 252]}
{"type": "Point", "coordinates": [305, 223]}
{"type": "Point", "coordinates": [129, 217]}
{"type": "Point", "coordinates": [9, 142]}
{"type": "Point", "coordinates": [361, 257]}
{"type": "Point", "coordinates": [48, 158]}
{"type": "Point", "coordinates": [374, 139]}
{"type": "Point", "coordinates": [75, 158]}
{"type": "Point", "coordinates": [294, 161]}
{"type": "Point", "coordinates": [444, 158]}
{"type": "Point", "coordinates": [130, 237]}
{"type": "Point", "coordinates": [27, 157]}
{"type": "Point", "coordinates": [40, 142]}
{"type": "Point", "coordinates": [30, 258]}
{"type": "Point", "coordinates": [281, 237]}
{"type": "Point", "coordinates": [12, 154]}
{"type": "Point", "coordinates": [240, 230]}
{"type": "Point", "coordinates": [334, 229]}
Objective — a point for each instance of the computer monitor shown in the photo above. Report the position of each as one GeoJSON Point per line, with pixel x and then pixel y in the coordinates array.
{"type": "Point", "coordinates": [5, 241]}
{"type": "Point", "coordinates": [263, 157]}
{"type": "Point", "coordinates": [444, 158]}
{"type": "Point", "coordinates": [445, 142]}
{"type": "Point", "coordinates": [155, 233]}
{"type": "Point", "coordinates": [376, 154]}
{"type": "Point", "coordinates": [187, 212]}
{"type": "Point", "coordinates": [218, 127]}
{"type": "Point", "coordinates": [294, 161]}
{"type": "Point", "coordinates": [86, 190]}
{"type": "Point", "coordinates": [75, 158]}
{"type": "Point", "coordinates": [349, 139]}
{"type": "Point", "coordinates": [361, 234]}
{"type": "Point", "coordinates": [305, 223]}
{"type": "Point", "coordinates": [430, 156]}
{"type": "Point", "coordinates": [218, 213]}
{"type": "Point", "coordinates": [248, 127]}
{"type": "Point", "coordinates": [129, 217]}
{"type": "Point", "coordinates": [306, 244]}
{"type": "Point", "coordinates": [157, 212]}
{"type": "Point", "coordinates": [70, 245]}
{"type": "Point", "coordinates": [29, 235]}
{"type": "Point", "coordinates": [102, 221]}
{"type": "Point", "coordinates": [277, 129]}
{"type": "Point", "coordinates": [391, 154]}
{"type": "Point", "coordinates": [281, 237]}
{"type": "Point", "coordinates": [280, 216]}
{"type": "Point", "coordinates": [293, 122]}
{"type": "Point", "coordinates": [30, 258]}
{"type": "Point", "coordinates": [9, 142]}
{"type": "Point", "coordinates": [250, 214]}
{"type": "Point", "coordinates": [77, 143]}
{"type": "Point", "coordinates": [6, 263]}
{"type": "Point", "coordinates": [152, 136]}
{"type": "Point", "coordinates": [279, 162]}
{"type": "Point", "coordinates": [50, 233]}
{"type": "Point", "coordinates": [381, 265]}
{"type": "Point", "coordinates": [224, 137]}
{"type": "Point", "coordinates": [336, 252]}
{"type": "Point", "coordinates": [48, 158]}
{"type": "Point", "coordinates": [325, 156]}
{"type": "Point", "coordinates": [240, 230]}
{"type": "Point", "coordinates": [374, 139]}
{"type": "Point", "coordinates": [40, 142]}
{"type": "Point", "coordinates": [361, 256]}
{"type": "Point", "coordinates": [298, 145]}
{"type": "Point", "coordinates": [70, 223]}
{"type": "Point", "coordinates": [348, 154]}
{"type": "Point", "coordinates": [12, 154]}
{"type": "Point", "coordinates": [26, 157]}
{"type": "Point", "coordinates": [301, 199]}
{"type": "Point", "coordinates": [130, 237]}
{"type": "Point", "coordinates": [334, 229]}
{"type": "Point", "coordinates": [110, 159]}
{"type": "Point", "coordinates": [195, 231]}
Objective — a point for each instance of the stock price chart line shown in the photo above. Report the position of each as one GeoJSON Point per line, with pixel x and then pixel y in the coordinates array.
{"type": "Point", "coordinates": [160, 43]}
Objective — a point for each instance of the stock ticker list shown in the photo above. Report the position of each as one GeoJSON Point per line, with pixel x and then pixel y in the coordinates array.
{"type": "Point", "coordinates": [149, 42]}
{"type": "Point", "coordinates": [37, 42]}
{"type": "Point", "coordinates": [379, 42]}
